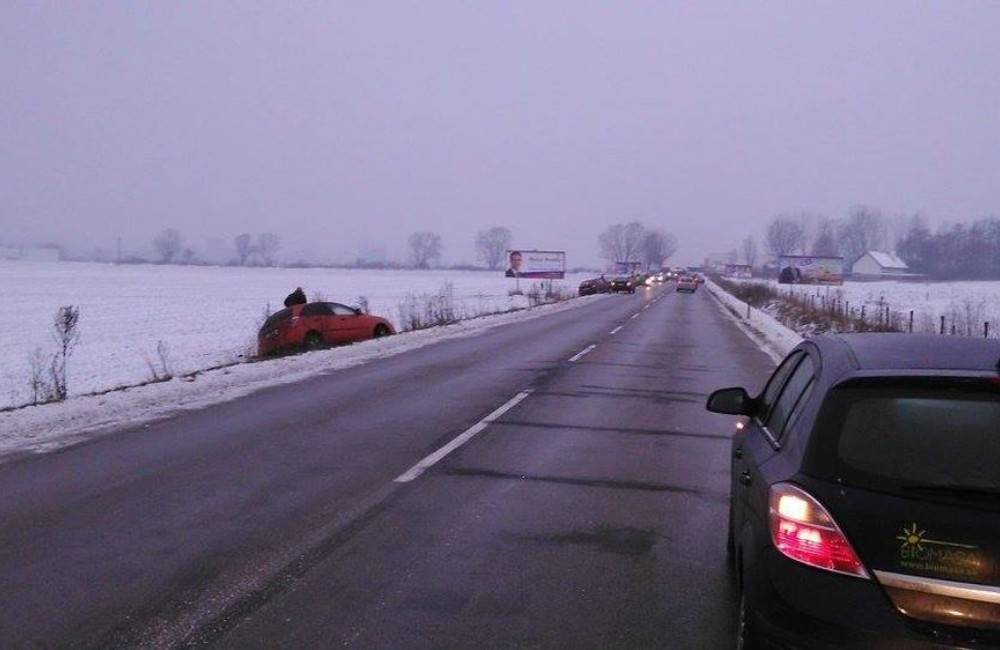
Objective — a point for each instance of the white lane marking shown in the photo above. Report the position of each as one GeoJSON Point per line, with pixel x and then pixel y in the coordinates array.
{"type": "Point", "coordinates": [616, 330]}
{"type": "Point", "coordinates": [579, 355]}
{"type": "Point", "coordinates": [460, 440]}
{"type": "Point", "coordinates": [636, 315]}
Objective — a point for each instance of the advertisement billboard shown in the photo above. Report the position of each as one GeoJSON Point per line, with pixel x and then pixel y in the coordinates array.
{"type": "Point", "coordinates": [536, 265]}
{"type": "Point", "coordinates": [627, 268]}
{"type": "Point", "coordinates": [805, 269]}
{"type": "Point", "coordinates": [739, 271]}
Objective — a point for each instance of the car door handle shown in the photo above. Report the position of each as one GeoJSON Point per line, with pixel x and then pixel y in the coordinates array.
{"type": "Point", "coordinates": [745, 478]}
{"type": "Point", "coordinates": [738, 453]}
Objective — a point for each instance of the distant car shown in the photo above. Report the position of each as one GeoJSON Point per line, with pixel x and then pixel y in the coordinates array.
{"type": "Point", "coordinates": [687, 283]}
{"type": "Point", "coordinates": [622, 284]}
{"type": "Point", "coordinates": [316, 324]}
{"type": "Point", "coordinates": [596, 285]}
{"type": "Point", "coordinates": [700, 279]}
{"type": "Point", "coordinates": [865, 495]}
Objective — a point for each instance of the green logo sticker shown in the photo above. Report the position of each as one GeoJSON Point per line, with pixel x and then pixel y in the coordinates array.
{"type": "Point", "coordinates": [920, 552]}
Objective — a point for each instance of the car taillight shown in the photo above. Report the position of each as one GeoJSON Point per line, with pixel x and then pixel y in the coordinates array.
{"type": "Point", "coordinates": [804, 531]}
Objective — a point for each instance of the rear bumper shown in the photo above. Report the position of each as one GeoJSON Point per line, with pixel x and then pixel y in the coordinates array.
{"type": "Point", "coordinates": [800, 607]}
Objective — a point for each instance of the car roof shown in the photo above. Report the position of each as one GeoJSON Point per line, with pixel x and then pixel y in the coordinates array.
{"type": "Point", "coordinates": [912, 352]}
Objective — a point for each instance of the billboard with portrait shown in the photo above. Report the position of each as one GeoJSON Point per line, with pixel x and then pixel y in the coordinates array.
{"type": "Point", "coordinates": [806, 269]}
{"type": "Point", "coordinates": [538, 265]}
{"type": "Point", "coordinates": [738, 271]}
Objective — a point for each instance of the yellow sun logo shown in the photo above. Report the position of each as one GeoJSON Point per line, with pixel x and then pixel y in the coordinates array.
{"type": "Point", "coordinates": [912, 537]}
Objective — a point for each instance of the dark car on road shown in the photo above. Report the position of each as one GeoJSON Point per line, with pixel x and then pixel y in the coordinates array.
{"type": "Point", "coordinates": [622, 284]}
{"type": "Point", "coordinates": [315, 324]}
{"type": "Point", "coordinates": [596, 285]}
{"type": "Point", "coordinates": [865, 495]}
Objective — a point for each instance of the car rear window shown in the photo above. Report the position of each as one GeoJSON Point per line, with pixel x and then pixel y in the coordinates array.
{"type": "Point", "coordinates": [276, 318]}
{"type": "Point", "coordinates": [891, 437]}
{"type": "Point", "coordinates": [317, 309]}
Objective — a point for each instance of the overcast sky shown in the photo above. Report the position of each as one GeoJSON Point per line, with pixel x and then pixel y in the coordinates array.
{"type": "Point", "coordinates": [337, 124]}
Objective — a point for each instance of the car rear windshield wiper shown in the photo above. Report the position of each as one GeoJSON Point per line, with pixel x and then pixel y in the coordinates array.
{"type": "Point", "coordinates": [966, 492]}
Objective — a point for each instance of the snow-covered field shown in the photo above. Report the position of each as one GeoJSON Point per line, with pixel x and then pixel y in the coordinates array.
{"type": "Point", "coordinates": [967, 304]}
{"type": "Point", "coordinates": [206, 315]}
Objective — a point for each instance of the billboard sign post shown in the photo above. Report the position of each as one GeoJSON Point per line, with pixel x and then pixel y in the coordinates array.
{"type": "Point", "coordinates": [807, 269]}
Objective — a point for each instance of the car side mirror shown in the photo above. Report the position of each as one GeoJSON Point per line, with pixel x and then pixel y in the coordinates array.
{"type": "Point", "coordinates": [730, 401]}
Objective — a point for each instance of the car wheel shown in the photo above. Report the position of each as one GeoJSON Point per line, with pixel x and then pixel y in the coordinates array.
{"type": "Point", "coordinates": [313, 340]}
{"type": "Point", "coordinates": [380, 331]}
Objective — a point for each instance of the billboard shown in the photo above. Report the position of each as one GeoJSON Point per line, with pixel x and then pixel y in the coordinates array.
{"type": "Point", "coordinates": [627, 268]}
{"type": "Point", "coordinates": [740, 271]}
{"type": "Point", "coordinates": [536, 265]}
{"type": "Point", "coordinates": [804, 269]}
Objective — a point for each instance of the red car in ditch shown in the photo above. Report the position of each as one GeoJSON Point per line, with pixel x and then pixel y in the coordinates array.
{"type": "Point", "coordinates": [316, 324]}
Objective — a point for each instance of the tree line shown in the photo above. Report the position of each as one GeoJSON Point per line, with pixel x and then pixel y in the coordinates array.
{"type": "Point", "coordinates": [425, 248]}
{"type": "Point", "coordinates": [634, 244]}
{"type": "Point", "coordinates": [966, 251]}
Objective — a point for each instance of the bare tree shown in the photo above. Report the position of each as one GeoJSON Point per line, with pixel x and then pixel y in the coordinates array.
{"type": "Point", "coordinates": [749, 250]}
{"type": "Point", "coordinates": [785, 236]}
{"type": "Point", "coordinates": [657, 247]}
{"type": "Point", "coordinates": [862, 231]}
{"type": "Point", "coordinates": [492, 244]}
{"type": "Point", "coordinates": [425, 248]}
{"type": "Point", "coordinates": [825, 243]}
{"type": "Point", "coordinates": [244, 247]}
{"type": "Point", "coordinates": [66, 334]}
{"type": "Point", "coordinates": [622, 242]}
{"type": "Point", "coordinates": [267, 247]}
{"type": "Point", "coordinates": [168, 244]}
{"type": "Point", "coordinates": [39, 380]}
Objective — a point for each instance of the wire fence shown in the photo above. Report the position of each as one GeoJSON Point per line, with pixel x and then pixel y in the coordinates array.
{"type": "Point", "coordinates": [818, 309]}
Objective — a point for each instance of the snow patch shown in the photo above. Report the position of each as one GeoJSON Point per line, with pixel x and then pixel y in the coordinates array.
{"type": "Point", "coordinates": [772, 337]}
{"type": "Point", "coordinates": [38, 429]}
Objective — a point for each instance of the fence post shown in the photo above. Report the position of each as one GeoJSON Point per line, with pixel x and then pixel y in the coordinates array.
{"type": "Point", "coordinates": [862, 313]}
{"type": "Point", "coordinates": [748, 310]}
{"type": "Point", "coordinates": [911, 321]}
{"type": "Point", "coordinates": [986, 330]}
{"type": "Point", "coordinates": [953, 328]}
{"type": "Point", "coordinates": [942, 324]}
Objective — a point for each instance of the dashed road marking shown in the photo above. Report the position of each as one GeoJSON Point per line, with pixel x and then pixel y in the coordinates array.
{"type": "Point", "coordinates": [616, 330]}
{"type": "Point", "coordinates": [460, 440]}
{"type": "Point", "coordinates": [579, 355]}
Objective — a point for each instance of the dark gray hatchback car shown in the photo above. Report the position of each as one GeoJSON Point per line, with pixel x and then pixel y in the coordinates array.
{"type": "Point", "coordinates": [865, 496]}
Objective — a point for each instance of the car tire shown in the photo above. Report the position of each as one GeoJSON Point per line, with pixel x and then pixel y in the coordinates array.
{"type": "Point", "coordinates": [312, 341]}
{"type": "Point", "coordinates": [380, 331]}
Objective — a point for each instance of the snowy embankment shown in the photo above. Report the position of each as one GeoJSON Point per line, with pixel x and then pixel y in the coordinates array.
{"type": "Point", "coordinates": [205, 316]}
{"type": "Point", "coordinates": [43, 428]}
{"type": "Point", "coordinates": [772, 337]}
{"type": "Point", "coordinates": [966, 304]}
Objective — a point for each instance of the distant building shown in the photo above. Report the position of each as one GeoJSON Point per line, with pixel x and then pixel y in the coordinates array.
{"type": "Point", "coordinates": [717, 261]}
{"type": "Point", "coordinates": [29, 254]}
{"type": "Point", "coordinates": [876, 263]}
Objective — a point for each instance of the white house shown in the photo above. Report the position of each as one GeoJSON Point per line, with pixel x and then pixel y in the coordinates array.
{"type": "Point", "coordinates": [879, 263]}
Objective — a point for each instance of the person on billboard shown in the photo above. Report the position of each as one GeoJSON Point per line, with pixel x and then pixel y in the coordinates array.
{"type": "Point", "coordinates": [514, 270]}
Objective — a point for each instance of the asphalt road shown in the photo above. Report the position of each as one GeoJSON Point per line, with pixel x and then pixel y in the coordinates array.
{"type": "Point", "coordinates": [590, 512]}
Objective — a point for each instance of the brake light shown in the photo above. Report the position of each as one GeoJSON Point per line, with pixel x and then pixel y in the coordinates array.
{"type": "Point", "coordinates": [802, 529]}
